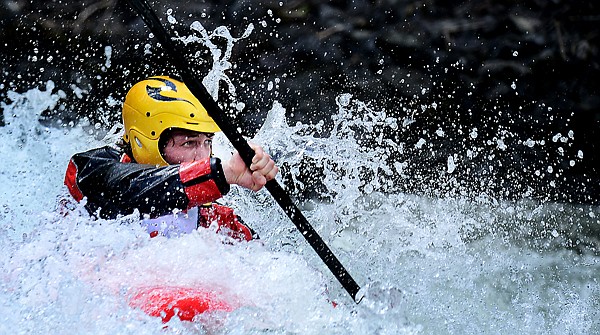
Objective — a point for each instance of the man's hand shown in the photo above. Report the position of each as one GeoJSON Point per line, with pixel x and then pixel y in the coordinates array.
{"type": "Point", "coordinates": [261, 170]}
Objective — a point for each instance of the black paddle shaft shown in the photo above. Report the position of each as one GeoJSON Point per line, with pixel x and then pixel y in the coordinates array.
{"type": "Point", "coordinates": [245, 151]}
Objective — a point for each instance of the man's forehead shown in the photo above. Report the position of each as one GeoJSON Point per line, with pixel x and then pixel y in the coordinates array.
{"type": "Point", "coordinates": [190, 134]}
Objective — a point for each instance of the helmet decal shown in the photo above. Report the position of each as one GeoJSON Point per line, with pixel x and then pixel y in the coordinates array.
{"type": "Point", "coordinates": [155, 92]}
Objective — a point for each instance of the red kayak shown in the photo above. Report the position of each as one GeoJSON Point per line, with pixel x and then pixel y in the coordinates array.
{"type": "Point", "coordinates": [185, 302]}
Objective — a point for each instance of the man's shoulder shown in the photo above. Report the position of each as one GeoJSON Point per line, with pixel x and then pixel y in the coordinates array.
{"type": "Point", "coordinates": [101, 152]}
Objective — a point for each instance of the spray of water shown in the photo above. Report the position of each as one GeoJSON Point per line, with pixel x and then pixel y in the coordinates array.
{"type": "Point", "coordinates": [467, 264]}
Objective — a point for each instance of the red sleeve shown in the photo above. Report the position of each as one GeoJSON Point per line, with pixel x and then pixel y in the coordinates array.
{"type": "Point", "coordinates": [203, 181]}
{"type": "Point", "coordinates": [226, 219]}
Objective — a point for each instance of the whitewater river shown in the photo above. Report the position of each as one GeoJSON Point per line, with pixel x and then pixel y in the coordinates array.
{"type": "Point", "coordinates": [448, 265]}
{"type": "Point", "coordinates": [427, 266]}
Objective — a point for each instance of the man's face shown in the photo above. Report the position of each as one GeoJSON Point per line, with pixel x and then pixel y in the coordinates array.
{"type": "Point", "coordinates": [187, 146]}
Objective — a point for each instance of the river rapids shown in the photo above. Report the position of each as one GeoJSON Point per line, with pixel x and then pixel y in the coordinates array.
{"type": "Point", "coordinates": [459, 264]}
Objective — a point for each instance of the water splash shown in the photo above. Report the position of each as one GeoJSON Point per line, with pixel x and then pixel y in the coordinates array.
{"type": "Point", "coordinates": [422, 246]}
{"type": "Point", "coordinates": [466, 262]}
{"type": "Point", "coordinates": [221, 58]}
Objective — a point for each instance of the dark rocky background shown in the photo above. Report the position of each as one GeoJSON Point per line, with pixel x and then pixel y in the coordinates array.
{"type": "Point", "coordinates": [397, 55]}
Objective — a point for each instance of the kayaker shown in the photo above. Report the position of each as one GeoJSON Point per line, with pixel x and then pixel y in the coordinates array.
{"type": "Point", "coordinates": [164, 166]}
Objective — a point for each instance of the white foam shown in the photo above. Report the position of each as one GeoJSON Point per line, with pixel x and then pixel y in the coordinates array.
{"type": "Point", "coordinates": [427, 265]}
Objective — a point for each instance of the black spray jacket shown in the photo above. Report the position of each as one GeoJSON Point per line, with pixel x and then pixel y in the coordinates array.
{"type": "Point", "coordinates": [114, 185]}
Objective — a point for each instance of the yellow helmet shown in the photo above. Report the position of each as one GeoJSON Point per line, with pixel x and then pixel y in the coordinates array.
{"type": "Point", "coordinates": [154, 105]}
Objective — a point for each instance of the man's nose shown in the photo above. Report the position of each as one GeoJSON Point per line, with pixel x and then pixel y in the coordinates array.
{"type": "Point", "coordinates": [201, 154]}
